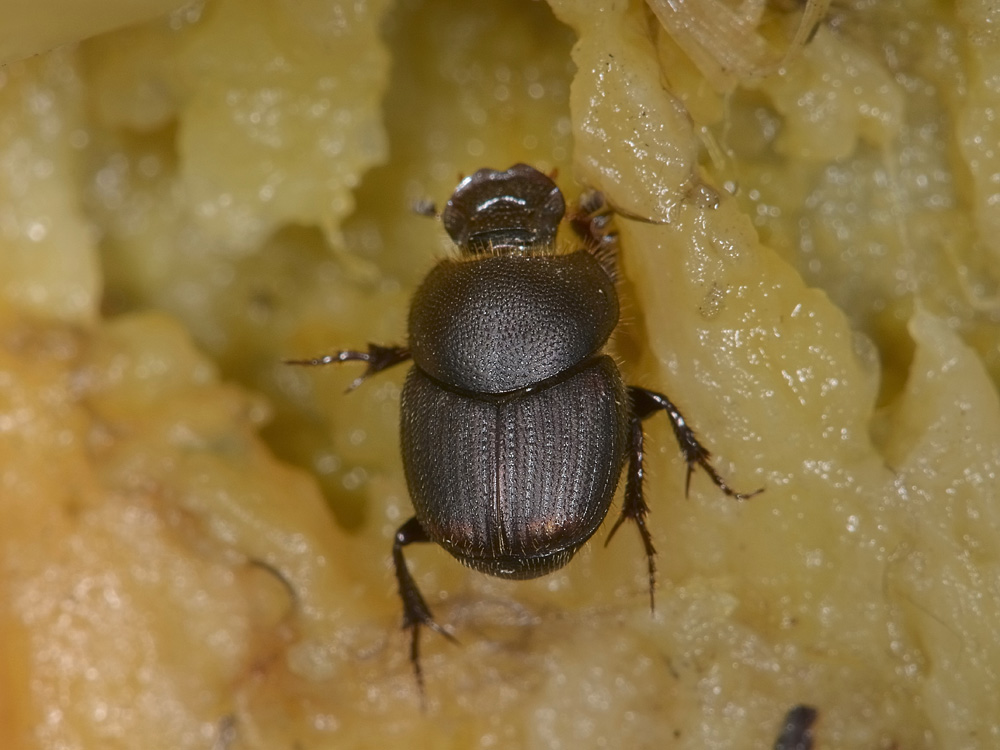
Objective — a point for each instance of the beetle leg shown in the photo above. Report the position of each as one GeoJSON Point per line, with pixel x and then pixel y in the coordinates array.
{"type": "Point", "coordinates": [635, 507]}
{"type": "Point", "coordinates": [378, 358]}
{"type": "Point", "coordinates": [646, 403]}
{"type": "Point", "coordinates": [415, 609]}
{"type": "Point", "coordinates": [591, 219]}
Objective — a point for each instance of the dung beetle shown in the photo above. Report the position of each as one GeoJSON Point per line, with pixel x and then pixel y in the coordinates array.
{"type": "Point", "coordinates": [515, 426]}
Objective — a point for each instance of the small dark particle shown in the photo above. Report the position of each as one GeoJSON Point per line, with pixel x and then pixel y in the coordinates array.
{"type": "Point", "coordinates": [227, 733]}
{"type": "Point", "coordinates": [796, 729]}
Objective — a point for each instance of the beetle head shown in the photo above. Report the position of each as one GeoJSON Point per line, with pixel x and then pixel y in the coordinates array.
{"type": "Point", "coordinates": [507, 212]}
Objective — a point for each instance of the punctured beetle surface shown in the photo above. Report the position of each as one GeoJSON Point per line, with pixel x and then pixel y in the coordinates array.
{"type": "Point", "coordinates": [515, 426]}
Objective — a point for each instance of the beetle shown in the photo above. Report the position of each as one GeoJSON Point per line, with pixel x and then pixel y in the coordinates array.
{"type": "Point", "coordinates": [515, 425]}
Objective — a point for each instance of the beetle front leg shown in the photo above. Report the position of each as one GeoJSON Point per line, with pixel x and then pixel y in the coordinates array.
{"type": "Point", "coordinates": [646, 403]}
{"type": "Point", "coordinates": [378, 358]}
{"type": "Point", "coordinates": [415, 609]}
{"type": "Point", "coordinates": [591, 219]}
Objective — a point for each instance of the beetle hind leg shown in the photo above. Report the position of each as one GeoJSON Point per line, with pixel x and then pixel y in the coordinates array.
{"type": "Point", "coordinates": [634, 507]}
{"type": "Point", "coordinates": [644, 404]}
{"type": "Point", "coordinates": [416, 613]}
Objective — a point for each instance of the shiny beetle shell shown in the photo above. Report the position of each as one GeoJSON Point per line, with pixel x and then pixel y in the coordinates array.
{"type": "Point", "coordinates": [512, 486]}
{"type": "Point", "coordinates": [515, 425]}
{"type": "Point", "coordinates": [497, 323]}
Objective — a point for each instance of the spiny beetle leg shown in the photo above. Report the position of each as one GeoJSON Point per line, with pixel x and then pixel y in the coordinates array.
{"type": "Point", "coordinates": [378, 358]}
{"type": "Point", "coordinates": [634, 507]}
{"type": "Point", "coordinates": [415, 610]}
{"type": "Point", "coordinates": [646, 402]}
{"type": "Point", "coordinates": [591, 220]}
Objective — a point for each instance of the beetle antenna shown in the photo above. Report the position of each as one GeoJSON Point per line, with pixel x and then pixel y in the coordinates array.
{"type": "Point", "coordinates": [425, 207]}
{"type": "Point", "coordinates": [618, 211]}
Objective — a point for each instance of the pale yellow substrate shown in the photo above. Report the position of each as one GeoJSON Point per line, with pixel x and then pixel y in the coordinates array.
{"type": "Point", "coordinates": [166, 582]}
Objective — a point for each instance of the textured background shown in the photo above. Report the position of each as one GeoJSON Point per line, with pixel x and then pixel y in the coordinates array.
{"type": "Point", "coordinates": [195, 538]}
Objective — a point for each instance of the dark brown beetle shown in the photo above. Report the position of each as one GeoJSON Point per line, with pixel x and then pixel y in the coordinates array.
{"type": "Point", "coordinates": [515, 426]}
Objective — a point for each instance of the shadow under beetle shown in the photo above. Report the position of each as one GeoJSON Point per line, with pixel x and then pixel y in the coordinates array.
{"type": "Point", "coordinates": [514, 425]}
